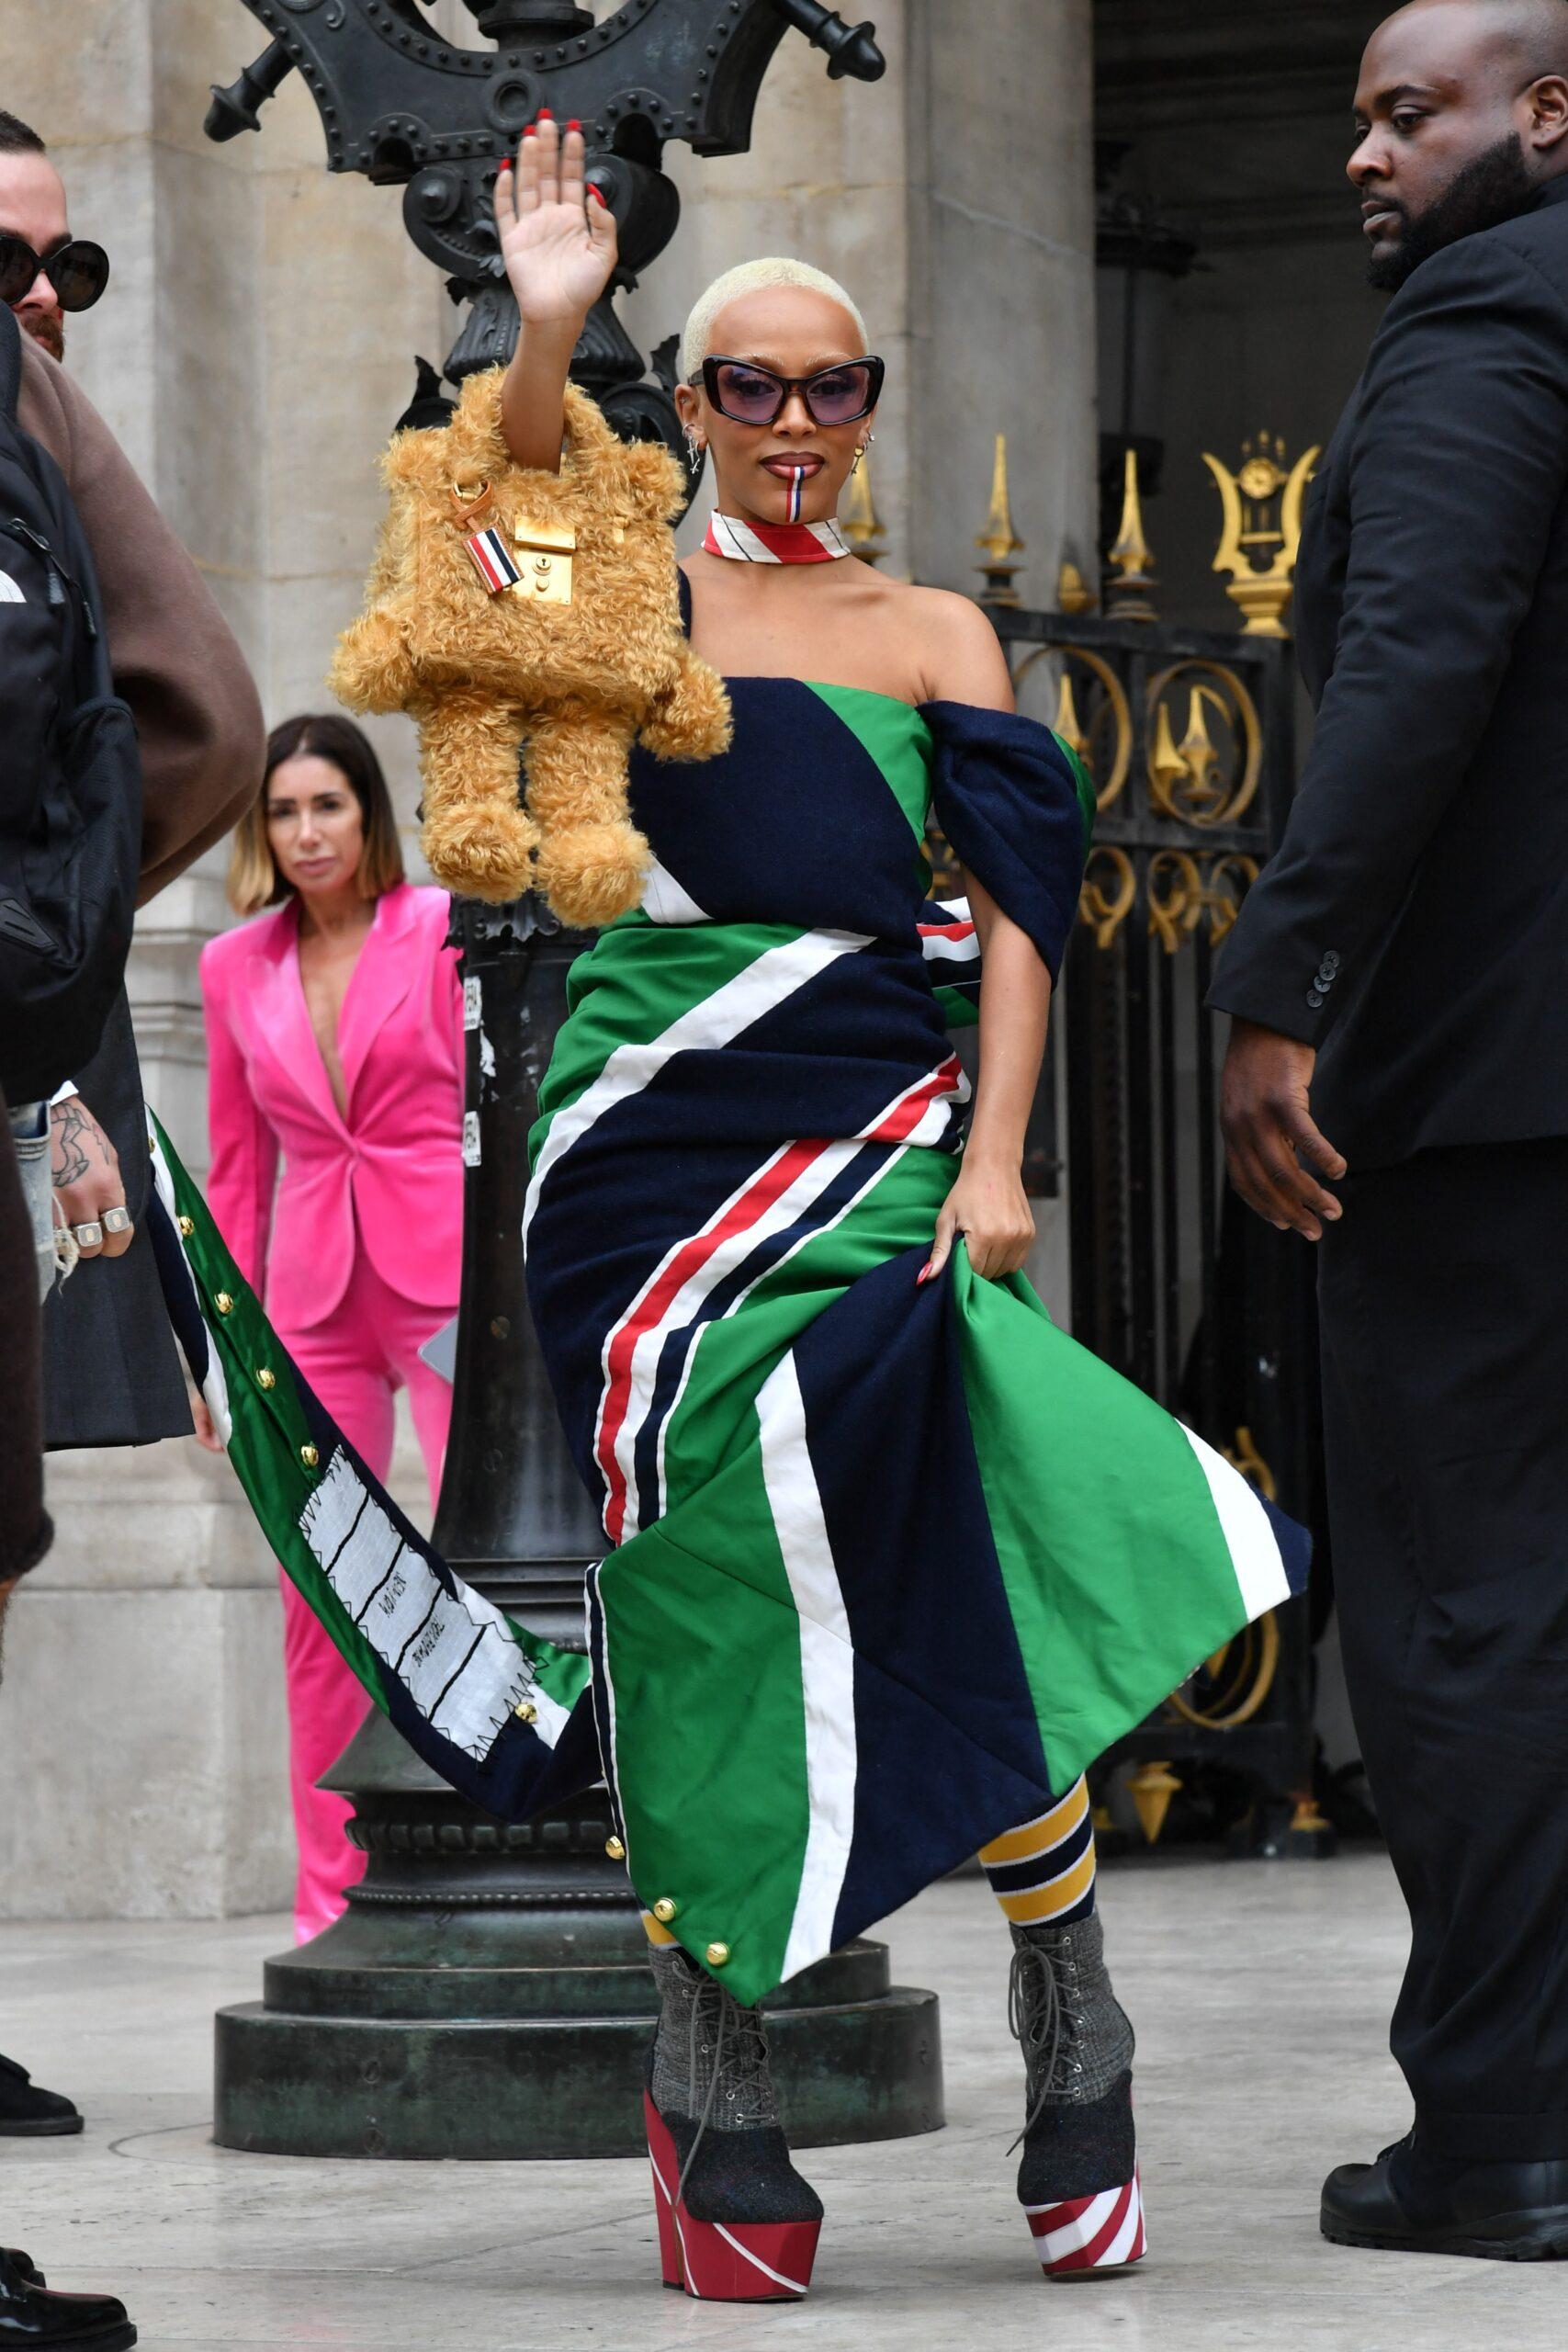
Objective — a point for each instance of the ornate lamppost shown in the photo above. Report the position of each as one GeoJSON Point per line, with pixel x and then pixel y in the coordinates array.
{"type": "Point", "coordinates": [486, 1994]}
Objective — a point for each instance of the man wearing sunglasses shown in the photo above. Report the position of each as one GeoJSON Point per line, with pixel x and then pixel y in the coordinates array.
{"type": "Point", "coordinates": [44, 270]}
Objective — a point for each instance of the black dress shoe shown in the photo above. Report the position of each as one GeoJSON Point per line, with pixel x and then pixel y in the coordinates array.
{"type": "Point", "coordinates": [28, 2113]}
{"type": "Point", "coordinates": [23, 2264]}
{"type": "Point", "coordinates": [1413, 2203]}
{"type": "Point", "coordinates": [32, 2320]}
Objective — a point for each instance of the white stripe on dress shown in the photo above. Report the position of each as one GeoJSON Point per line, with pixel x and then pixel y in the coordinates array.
{"type": "Point", "coordinates": [826, 1664]}
{"type": "Point", "coordinates": [666, 900]}
{"type": "Point", "coordinates": [765, 983]}
{"type": "Point", "coordinates": [686, 1306]}
{"type": "Point", "coordinates": [1244, 1522]}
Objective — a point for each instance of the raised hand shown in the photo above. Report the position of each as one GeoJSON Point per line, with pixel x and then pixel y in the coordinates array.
{"type": "Point", "coordinates": [557, 237]}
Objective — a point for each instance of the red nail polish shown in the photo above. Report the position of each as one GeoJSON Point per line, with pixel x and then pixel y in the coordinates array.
{"type": "Point", "coordinates": [923, 1276]}
{"type": "Point", "coordinates": [529, 132]}
{"type": "Point", "coordinates": [574, 124]}
{"type": "Point", "coordinates": [543, 115]}
{"type": "Point", "coordinates": [598, 193]}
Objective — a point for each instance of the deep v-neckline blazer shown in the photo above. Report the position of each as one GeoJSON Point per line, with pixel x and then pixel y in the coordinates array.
{"type": "Point", "coordinates": [297, 1186]}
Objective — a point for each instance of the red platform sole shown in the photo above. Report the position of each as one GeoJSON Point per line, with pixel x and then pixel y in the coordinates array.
{"type": "Point", "coordinates": [1085, 2235]}
{"type": "Point", "coordinates": [724, 2262]}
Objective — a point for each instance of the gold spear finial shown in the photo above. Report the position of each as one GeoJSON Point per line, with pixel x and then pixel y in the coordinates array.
{"type": "Point", "coordinates": [999, 542]}
{"type": "Point", "coordinates": [1128, 598]}
{"type": "Point", "coordinates": [1074, 594]}
{"type": "Point", "coordinates": [861, 522]}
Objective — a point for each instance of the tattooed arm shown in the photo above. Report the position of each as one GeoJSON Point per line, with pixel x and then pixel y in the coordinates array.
{"type": "Point", "coordinates": [86, 1168]}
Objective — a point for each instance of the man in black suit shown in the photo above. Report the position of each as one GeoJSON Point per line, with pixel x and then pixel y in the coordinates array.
{"type": "Point", "coordinates": [1397, 1089]}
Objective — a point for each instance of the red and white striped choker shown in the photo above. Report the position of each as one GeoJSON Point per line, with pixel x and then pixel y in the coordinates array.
{"type": "Point", "coordinates": [774, 542]}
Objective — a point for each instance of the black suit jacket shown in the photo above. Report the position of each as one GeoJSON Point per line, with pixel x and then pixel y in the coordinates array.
{"type": "Point", "coordinates": [1413, 923]}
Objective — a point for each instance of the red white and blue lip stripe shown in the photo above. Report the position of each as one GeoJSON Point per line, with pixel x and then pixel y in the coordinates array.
{"type": "Point", "coordinates": [491, 560]}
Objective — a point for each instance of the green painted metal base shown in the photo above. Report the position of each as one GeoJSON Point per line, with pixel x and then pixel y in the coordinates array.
{"type": "Point", "coordinates": [486, 1994]}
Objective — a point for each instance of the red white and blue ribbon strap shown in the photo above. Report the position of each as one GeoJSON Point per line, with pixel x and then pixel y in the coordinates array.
{"type": "Point", "coordinates": [774, 542]}
{"type": "Point", "coordinates": [491, 561]}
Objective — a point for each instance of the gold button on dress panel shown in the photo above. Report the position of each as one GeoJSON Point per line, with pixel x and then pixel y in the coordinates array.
{"type": "Point", "coordinates": [664, 1910]}
{"type": "Point", "coordinates": [718, 1954]}
{"type": "Point", "coordinates": [308, 1456]}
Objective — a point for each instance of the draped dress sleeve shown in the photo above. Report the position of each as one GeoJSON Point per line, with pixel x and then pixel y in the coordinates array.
{"type": "Point", "coordinates": [1017, 807]}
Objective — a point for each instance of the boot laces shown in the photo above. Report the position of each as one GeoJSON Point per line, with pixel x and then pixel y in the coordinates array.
{"type": "Point", "coordinates": [1038, 2024]}
{"type": "Point", "coordinates": [735, 2041]}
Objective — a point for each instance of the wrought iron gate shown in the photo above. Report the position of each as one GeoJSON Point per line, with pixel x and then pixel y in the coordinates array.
{"type": "Point", "coordinates": [1189, 737]}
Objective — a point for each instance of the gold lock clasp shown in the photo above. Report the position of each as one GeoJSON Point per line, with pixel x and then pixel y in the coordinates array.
{"type": "Point", "coordinates": [544, 551]}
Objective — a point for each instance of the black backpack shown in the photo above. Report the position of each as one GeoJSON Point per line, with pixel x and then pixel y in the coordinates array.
{"type": "Point", "coordinates": [70, 774]}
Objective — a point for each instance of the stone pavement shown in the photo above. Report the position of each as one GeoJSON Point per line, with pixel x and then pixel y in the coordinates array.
{"type": "Point", "coordinates": [1260, 1995]}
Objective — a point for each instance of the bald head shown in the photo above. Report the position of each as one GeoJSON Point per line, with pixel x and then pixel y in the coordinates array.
{"type": "Point", "coordinates": [1462, 115]}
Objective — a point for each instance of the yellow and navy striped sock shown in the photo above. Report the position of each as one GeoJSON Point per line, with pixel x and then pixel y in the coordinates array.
{"type": "Point", "coordinates": [1043, 1873]}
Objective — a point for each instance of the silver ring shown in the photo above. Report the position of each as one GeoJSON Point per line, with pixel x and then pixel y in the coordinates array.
{"type": "Point", "coordinates": [88, 1235]}
{"type": "Point", "coordinates": [116, 1220]}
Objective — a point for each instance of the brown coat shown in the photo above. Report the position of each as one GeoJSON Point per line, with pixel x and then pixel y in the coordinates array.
{"type": "Point", "coordinates": [174, 658]}
{"type": "Point", "coordinates": [111, 1375]}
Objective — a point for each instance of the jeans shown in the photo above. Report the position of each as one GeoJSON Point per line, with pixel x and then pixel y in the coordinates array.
{"type": "Point", "coordinates": [29, 1132]}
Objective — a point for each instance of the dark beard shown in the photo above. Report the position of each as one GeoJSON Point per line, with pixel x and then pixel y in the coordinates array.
{"type": "Point", "coordinates": [47, 327]}
{"type": "Point", "coordinates": [1495, 185]}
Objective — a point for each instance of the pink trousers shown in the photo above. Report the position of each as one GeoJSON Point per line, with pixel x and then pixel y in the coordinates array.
{"type": "Point", "coordinates": [356, 1361]}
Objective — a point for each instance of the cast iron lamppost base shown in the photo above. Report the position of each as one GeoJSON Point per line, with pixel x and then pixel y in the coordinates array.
{"type": "Point", "coordinates": [486, 1994]}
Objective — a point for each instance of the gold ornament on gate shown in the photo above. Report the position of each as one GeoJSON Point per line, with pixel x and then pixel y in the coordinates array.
{"type": "Point", "coordinates": [999, 542]}
{"type": "Point", "coordinates": [1261, 536]}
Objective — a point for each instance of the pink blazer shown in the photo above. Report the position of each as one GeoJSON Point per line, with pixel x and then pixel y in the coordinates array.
{"type": "Point", "coordinates": [388, 1179]}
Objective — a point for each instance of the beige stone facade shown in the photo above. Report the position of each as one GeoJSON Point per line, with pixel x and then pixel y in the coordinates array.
{"type": "Point", "coordinates": [255, 347]}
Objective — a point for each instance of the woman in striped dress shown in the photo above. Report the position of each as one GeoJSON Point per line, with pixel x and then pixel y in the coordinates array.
{"type": "Point", "coordinates": [892, 1559]}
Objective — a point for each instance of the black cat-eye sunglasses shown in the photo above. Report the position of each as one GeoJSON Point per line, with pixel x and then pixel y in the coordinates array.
{"type": "Point", "coordinates": [748, 394]}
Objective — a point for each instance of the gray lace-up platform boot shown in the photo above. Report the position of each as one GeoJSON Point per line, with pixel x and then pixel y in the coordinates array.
{"type": "Point", "coordinates": [737, 2223]}
{"type": "Point", "coordinates": [1077, 2181]}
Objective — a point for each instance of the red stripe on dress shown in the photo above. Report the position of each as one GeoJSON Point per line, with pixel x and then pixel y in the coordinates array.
{"type": "Point", "coordinates": [908, 1113]}
{"type": "Point", "coordinates": [900, 1118]}
{"type": "Point", "coordinates": [945, 929]}
{"type": "Point", "coordinates": [753, 1203]}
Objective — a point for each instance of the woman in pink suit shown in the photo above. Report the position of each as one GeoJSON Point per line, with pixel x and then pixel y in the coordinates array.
{"type": "Point", "coordinates": [335, 1025]}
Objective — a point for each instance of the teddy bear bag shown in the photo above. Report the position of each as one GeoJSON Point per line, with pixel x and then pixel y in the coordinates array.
{"type": "Point", "coordinates": [532, 620]}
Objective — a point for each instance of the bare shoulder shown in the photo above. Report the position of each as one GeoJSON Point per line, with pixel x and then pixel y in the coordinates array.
{"type": "Point", "coordinates": [959, 657]}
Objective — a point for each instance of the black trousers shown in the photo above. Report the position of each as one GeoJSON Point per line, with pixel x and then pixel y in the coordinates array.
{"type": "Point", "coordinates": [1444, 1297]}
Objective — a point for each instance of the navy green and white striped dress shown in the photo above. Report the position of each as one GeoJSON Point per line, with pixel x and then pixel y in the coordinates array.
{"type": "Point", "coordinates": [888, 1565]}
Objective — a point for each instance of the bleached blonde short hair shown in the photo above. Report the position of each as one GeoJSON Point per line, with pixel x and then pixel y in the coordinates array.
{"type": "Point", "coordinates": [746, 278]}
